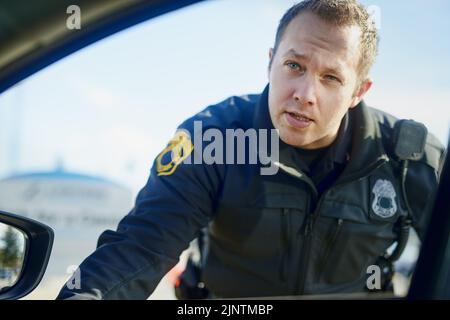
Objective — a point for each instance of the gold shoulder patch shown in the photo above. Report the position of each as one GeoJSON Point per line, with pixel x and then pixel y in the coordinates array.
{"type": "Point", "coordinates": [180, 148]}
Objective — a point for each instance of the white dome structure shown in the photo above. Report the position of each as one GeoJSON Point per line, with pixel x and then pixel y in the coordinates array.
{"type": "Point", "coordinates": [63, 199]}
{"type": "Point", "coordinates": [78, 207]}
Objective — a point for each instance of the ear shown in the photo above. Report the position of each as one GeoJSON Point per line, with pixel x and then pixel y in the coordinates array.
{"type": "Point", "coordinates": [270, 62]}
{"type": "Point", "coordinates": [362, 90]}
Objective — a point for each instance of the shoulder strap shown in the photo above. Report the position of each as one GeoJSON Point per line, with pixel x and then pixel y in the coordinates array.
{"type": "Point", "coordinates": [408, 144]}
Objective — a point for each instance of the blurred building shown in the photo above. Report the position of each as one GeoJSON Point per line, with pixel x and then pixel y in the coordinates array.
{"type": "Point", "coordinates": [78, 207]}
{"type": "Point", "coordinates": [62, 199]}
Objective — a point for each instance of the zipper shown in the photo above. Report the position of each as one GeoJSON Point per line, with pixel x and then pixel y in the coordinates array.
{"type": "Point", "coordinates": [311, 218]}
{"type": "Point", "coordinates": [306, 232]}
{"type": "Point", "coordinates": [329, 245]}
{"type": "Point", "coordinates": [286, 243]}
{"type": "Point", "coordinates": [364, 172]}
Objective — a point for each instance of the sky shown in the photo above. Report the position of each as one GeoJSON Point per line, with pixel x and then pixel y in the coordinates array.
{"type": "Point", "coordinates": [110, 108]}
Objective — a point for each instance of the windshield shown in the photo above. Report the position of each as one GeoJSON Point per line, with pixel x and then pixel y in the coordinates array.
{"type": "Point", "coordinates": [77, 139]}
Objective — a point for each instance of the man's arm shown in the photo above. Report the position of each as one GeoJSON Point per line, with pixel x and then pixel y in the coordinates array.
{"type": "Point", "coordinates": [169, 211]}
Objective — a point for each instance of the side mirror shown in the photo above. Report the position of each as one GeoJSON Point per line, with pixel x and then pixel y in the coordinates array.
{"type": "Point", "coordinates": [25, 247]}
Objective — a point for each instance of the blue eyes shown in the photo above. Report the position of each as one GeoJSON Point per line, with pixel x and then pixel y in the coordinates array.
{"type": "Point", "coordinates": [332, 78]}
{"type": "Point", "coordinates": [293, 66]}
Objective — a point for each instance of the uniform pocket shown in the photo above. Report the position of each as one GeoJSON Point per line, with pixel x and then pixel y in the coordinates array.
{"type": "Point", "coordinates": [260, 241]}
{"type": "Point", "coordinates": [287, 212]}
{"type": "Point", "coordinates": [329, 245]}
{"type": "Point", "coordinates": [278, 217]}
{"type": "Point", "coordinates": [347, 242]}
{"type": "Point", "coordinates": [285, 243]}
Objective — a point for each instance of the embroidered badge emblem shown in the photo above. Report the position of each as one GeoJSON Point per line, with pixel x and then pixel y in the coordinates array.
{"type": "Point", "coordinates": [178, 149]}
{"type": "Point", "coordinates": [384, 204]}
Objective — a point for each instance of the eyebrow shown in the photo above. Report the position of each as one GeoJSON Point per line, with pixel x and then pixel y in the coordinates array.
{"type": "Point", "coordinates": [301, 56]}
{"type": "Point", "coordinates": [294, 53]}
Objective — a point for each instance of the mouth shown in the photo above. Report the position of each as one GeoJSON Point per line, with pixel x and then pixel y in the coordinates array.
{"type": "Point", "coordinates": [299, 116]}
{"type": "Point", "coordinates": [298, 120]}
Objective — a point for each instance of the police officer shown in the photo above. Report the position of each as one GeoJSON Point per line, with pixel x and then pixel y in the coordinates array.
{"type": "Point", "coordinates": [341, 192]}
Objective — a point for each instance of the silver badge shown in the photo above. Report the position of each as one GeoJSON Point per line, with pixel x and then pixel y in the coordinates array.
{"type": "Point", "coordinates": [384, 204]}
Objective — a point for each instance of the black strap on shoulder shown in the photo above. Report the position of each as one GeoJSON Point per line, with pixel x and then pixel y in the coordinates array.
{"type": "Point", "coordinates": [409, 141]}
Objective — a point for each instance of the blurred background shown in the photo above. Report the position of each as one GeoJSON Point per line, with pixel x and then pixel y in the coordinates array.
{"type": "Point", "coordinates": [77, 139]}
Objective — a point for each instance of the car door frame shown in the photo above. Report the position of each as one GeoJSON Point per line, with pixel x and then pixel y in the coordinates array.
{"type": "Point", "coordinates": [431, 278]}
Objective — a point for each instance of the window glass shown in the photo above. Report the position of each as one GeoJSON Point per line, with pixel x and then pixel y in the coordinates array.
{"type": "Point", "coordinates": [77, 139]}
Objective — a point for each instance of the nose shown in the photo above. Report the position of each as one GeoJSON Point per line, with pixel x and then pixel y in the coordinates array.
{"type": "Point", "coordinates": [305, 91]}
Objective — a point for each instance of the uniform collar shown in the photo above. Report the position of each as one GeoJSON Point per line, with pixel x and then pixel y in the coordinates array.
{"type": "Point", "coordinates": [367, 143]}
{"type": "Point", "coordinates": [337, 153]}
{"type": "Point", "coordinates": [364, 148]}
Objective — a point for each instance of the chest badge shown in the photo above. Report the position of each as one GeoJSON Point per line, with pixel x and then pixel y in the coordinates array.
{"type": "Point", "coordinates": [384, 204]}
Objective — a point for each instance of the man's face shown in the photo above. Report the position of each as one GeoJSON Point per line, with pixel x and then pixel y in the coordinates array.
{"type": "Point", "coordinates": [314, 81]}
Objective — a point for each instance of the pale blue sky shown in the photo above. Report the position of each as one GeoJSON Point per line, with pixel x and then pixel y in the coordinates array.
{"type": "Point", "coordinates": [110, 108]}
